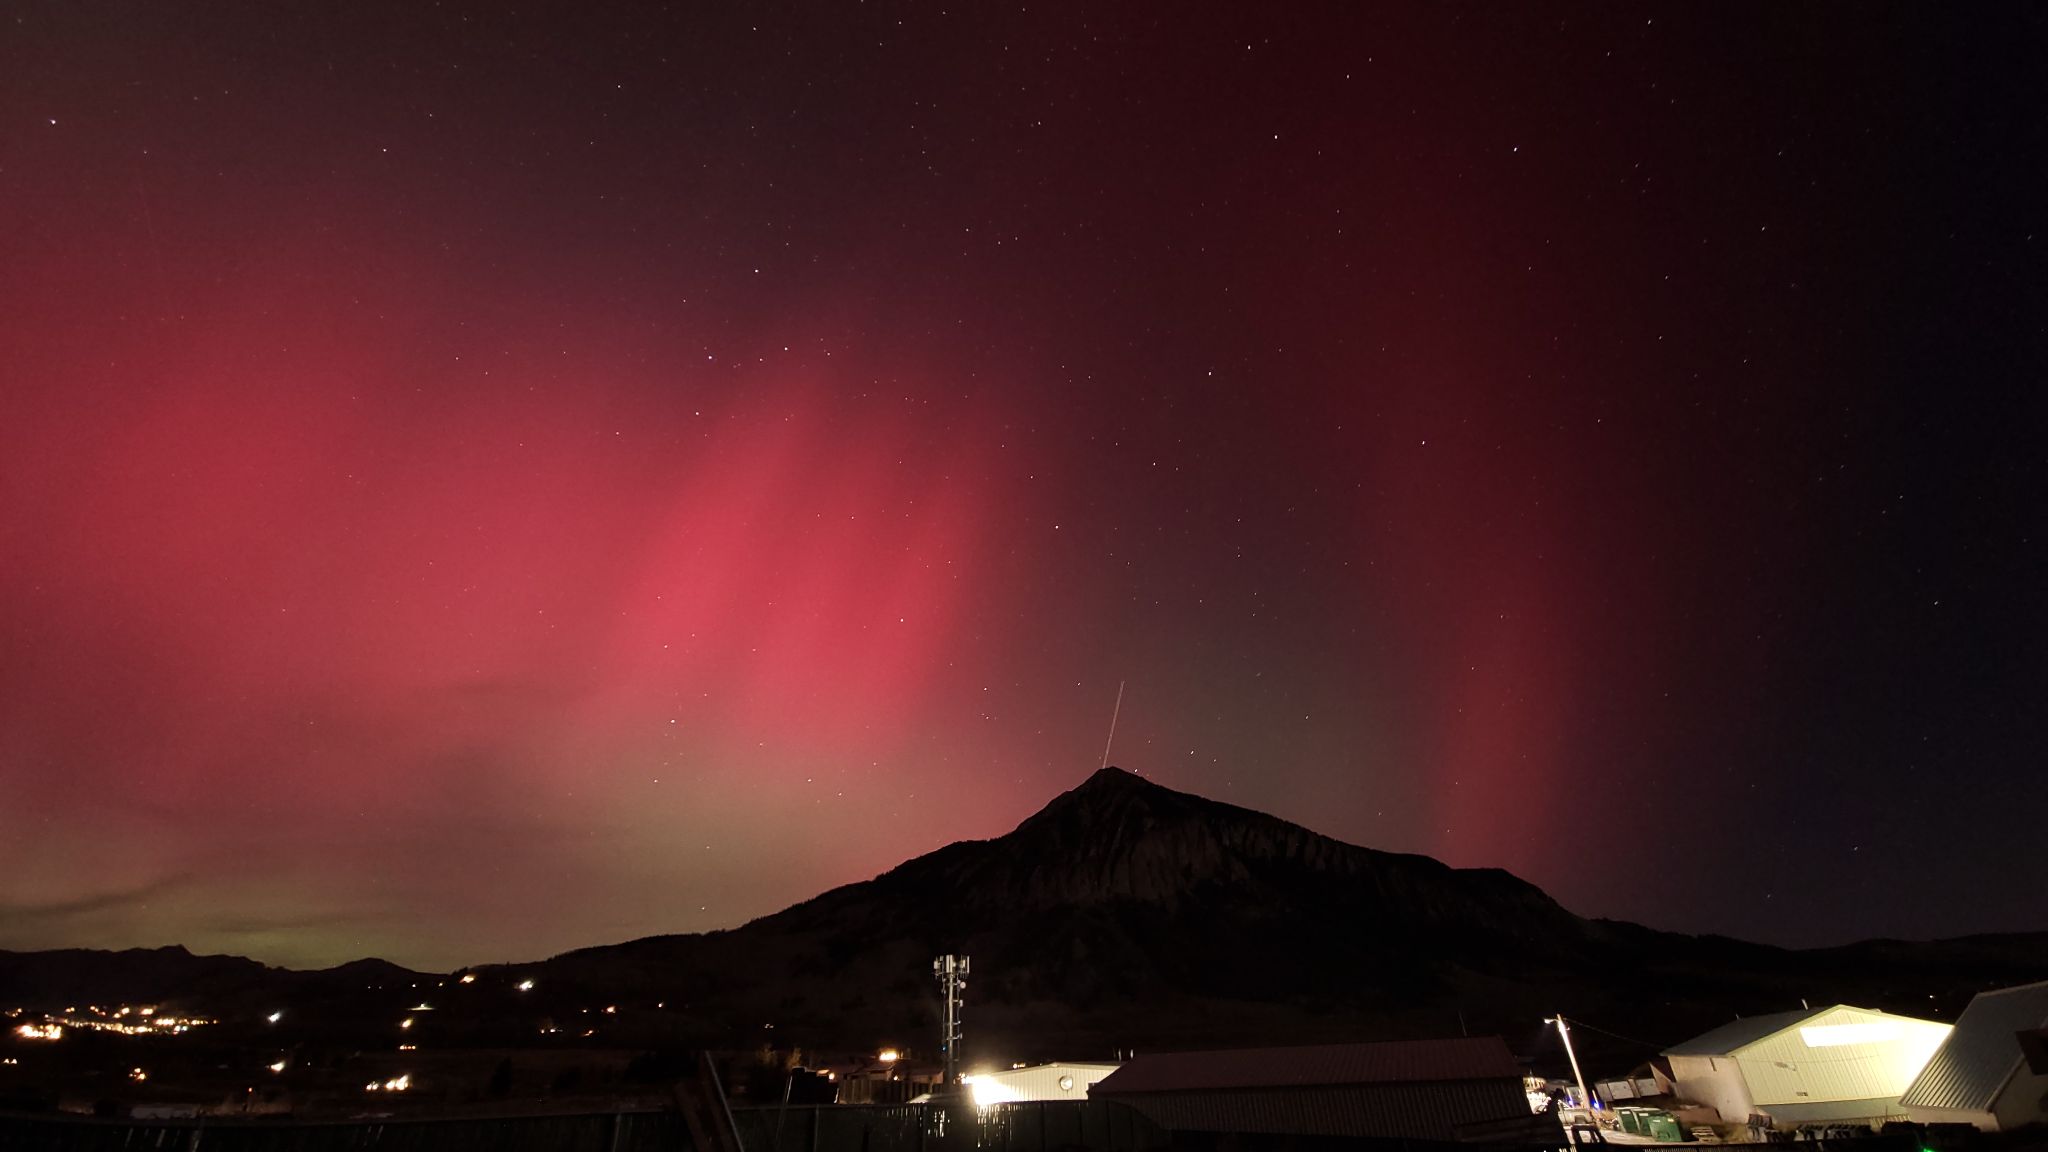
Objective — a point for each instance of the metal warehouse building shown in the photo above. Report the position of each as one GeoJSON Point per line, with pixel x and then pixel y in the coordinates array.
{"type": "Point", "coordinates": [1993, 1070]}
{"type": "Point", "coordinates": [1431, 1090]}
{"type": "Point", "coordinates": [1814, 1066]}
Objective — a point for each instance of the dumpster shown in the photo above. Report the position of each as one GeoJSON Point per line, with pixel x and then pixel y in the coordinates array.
{"type": "Point", "coordinates": [1663, 1128]}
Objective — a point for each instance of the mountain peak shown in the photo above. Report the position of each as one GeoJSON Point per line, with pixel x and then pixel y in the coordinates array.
{"type": "Point", "coordinates": [1113, 779]}
{"type": "Point", "coordinates": [1107, 798]}
{"type": "Point", "coordinates": [1118, 838]}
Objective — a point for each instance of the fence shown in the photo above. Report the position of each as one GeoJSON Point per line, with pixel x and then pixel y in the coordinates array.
{"type": "Point", "coordinates": [1051, 1125]}
{"type": "Point", "coordinates": [1047, 1126]}
{"type": "Point", "coordinates": [598, 1132]}
{"type": "Point", "coordinates": [1054, 1126]}
{"type": "Point", "coordinates": [1057, 1126]}
{"type": "Point", "coordinates": [833, 1128]}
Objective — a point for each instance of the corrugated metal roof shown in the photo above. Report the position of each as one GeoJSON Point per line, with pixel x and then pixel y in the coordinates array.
{"type": "Point", "coordinates": [1968, 1071]}
{"type": "Point", "coordinates": [1388, 1062]}
{"type": "Point", "coordinates": [1748, 1030]}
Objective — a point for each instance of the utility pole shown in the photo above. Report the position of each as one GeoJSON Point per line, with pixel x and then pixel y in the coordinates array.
{"type": "Point", "coordinates": [1564, 1031]}
{"type": "Point", "coordinates": [951, 973]}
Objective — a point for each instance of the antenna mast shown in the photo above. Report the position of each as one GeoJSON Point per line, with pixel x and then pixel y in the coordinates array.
{"type": "Point", "coordinates": [951, 973]}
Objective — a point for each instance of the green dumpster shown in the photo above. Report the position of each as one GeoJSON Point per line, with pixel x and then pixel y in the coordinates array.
{"type": "Point", "coordinates": [1631, 1120]}
{"type": "Point", "coordinates": [1663, 1128]}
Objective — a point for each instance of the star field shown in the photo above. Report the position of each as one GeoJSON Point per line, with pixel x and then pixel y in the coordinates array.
{"type": "Point", "coordinates": [476, 483]}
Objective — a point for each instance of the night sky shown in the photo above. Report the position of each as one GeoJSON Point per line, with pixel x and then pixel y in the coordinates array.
{"type": "Point", "coordinates": [476, 482]}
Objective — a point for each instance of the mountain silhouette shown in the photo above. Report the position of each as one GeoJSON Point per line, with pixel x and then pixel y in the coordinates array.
{"type": "Point", "coordinates": [1128, 915]}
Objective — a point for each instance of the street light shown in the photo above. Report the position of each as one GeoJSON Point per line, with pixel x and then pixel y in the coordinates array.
{"type": "Point", "coordinates": [1564, 1030]}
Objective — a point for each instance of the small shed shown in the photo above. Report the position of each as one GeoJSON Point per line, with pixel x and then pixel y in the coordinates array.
{"type": "Point", "coordinates": [1443, 1091]}
{"type": "Point", "coordinates": [1829, 1065]}
{"type": "Point", "coordinates": [1993, 1070]}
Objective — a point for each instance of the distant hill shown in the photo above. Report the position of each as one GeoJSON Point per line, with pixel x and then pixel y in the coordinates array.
{"type": "Point", "coordinates": [135, 974]}
{"type": "Point", "coordinates": [1128, 915]}
{"type": "Point", "coordinates": [172, 974]}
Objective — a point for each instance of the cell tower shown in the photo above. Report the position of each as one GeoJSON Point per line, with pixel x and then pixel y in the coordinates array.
{"type": "Point", "coordinates": [951, 973]}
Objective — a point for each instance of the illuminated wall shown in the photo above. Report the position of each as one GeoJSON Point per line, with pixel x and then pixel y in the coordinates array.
{"type": "Point", "coordinates": [1838, 1055]}
{"type": "Point", "coordinates": [1039, 1082]}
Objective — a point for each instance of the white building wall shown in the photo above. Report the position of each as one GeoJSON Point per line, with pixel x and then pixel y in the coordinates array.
{"type": "Point", "coordinates": [1040, 1082]}
{"type": "Point", "coordinates": [1715, 1081]}
{"type": "Point", "coordinates": [1846, 1054]}
{"type": "Point", "coordinates": [2023, 1101]}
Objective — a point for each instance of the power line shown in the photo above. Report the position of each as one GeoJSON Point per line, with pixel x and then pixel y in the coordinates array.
{"type": "Point", "coordinates": [1576, 1023]}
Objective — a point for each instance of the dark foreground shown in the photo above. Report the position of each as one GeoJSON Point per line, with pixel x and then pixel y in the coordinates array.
{"type": "Point", "coordinates": [1065, 1126]}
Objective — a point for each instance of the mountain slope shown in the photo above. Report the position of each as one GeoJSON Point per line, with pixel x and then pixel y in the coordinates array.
{"type": "Point", "coordinates": [1127, 913]}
